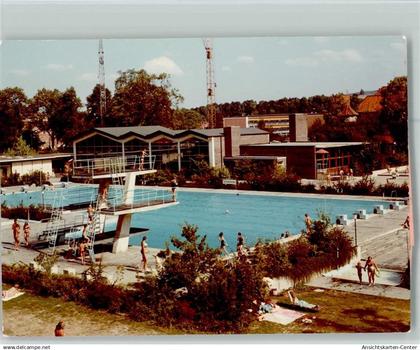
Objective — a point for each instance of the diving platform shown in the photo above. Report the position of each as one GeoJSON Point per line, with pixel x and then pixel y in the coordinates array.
{"type": "Point", "coordinates": [108, 167]}
{"type": "Point", "coordinates": [138, 207]}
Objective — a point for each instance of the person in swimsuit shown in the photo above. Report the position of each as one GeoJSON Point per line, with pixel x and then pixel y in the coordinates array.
{"type": "Point", "coordinates": [16, 233]}
{"type": "Point", "coordinates": [359, 269]}
{"type": "Point", "coordinates": [26, 233]}
{"type": "Point", "coordinates": [82, 250]}
{"type": "Point", "coordinates": [240, 244]}
{"type": "Point", "coordinates": [223, 244]}
{"type": "Point", "coordinates": [142, 156]}
{"type": "Point", "coordinates": [406, 223]}
{"type": "Point", "coordinates": [174, 184]}
{"type": "Point", "coordinates": [143, 251]}
{"type": "Point", "coordinates": [90, 212]}
{"type": "Point", "coordinates": [372, 268]}
{"type": "Point", "coordinates": [308, 223]}
{"type": "Point", "coordinates": [59, 329]}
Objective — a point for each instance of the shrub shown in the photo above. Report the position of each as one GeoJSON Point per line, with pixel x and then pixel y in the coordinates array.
{"type": "Point", "coordinates": [21, 212]}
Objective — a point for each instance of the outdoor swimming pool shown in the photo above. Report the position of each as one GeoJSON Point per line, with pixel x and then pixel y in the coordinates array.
{"type": "Point", "coordinates": [256, 216]}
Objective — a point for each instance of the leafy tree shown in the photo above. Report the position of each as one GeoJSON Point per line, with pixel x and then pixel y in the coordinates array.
{"type": "Point", "coordinates": [143, 99]}
{"type": "Point", "coordinates": [394, 112]}
{"type": "Point", "coordinates": [20, 148]}
{"type": "Point", "coordinates": [31, 137]}
{"type": "Point", "coordinates": [93, 107]}
{"type": "Point", "coordinates": [67, 122]}
{"type": "Point", "coordinates": [13, 108]}
{"type": "Point", "coordinates": [186, 119]}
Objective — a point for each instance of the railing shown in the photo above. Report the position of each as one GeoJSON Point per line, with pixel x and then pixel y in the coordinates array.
{"type": "Point", "coordinates": [113, 165]}
{"type": "Point", "coordinates": [138, 199]}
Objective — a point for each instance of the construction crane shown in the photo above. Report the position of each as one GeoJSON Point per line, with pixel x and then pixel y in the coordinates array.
{"type": "Point", "coordinates": [211, 84]}
{"type": "Point", "coordinates": [101, 78]}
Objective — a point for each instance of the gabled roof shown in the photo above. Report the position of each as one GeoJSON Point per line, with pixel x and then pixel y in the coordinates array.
{"type": "Point", "coordinates": [148, 132]}
{"type": "Point", "coordinates": [370, 104]}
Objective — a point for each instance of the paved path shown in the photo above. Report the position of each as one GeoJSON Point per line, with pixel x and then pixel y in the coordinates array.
{"type": "Point", "coordinates": [378, 290]}
{"type": "Point", "coordinates": [382, 237]}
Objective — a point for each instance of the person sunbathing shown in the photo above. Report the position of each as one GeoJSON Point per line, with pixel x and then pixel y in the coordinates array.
{"type": "Point", "coordinates": [301, 303]}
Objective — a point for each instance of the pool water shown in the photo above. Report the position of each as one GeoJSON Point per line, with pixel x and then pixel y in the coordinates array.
{"type": "Point", "coordinates": [256, 216]}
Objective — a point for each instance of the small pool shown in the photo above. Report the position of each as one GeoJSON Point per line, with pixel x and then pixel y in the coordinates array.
{"type": "Point", "coordinates": [256, 216]}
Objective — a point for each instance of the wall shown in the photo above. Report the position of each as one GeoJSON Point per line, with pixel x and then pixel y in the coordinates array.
{"type": "Point", "coordinates": [31, 166]}
{"type": "Point", "coordinates": [254, 139]}
{"type": "Point", "coordinates": [300, 159]}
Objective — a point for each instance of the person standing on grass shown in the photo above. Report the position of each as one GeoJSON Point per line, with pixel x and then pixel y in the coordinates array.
{"type": "Point", "coordinates": [59, 329]}
{"type": "Point", "coordinates": [359, 269]}
{"type": "Point", "coordinates": [143, 251]}
{"type": "Point", "coordinates": [26, 233]}
{"type": "Point", "coordinates": [16, 233]}
{"type": "Point", "coordinates": [308, 223]}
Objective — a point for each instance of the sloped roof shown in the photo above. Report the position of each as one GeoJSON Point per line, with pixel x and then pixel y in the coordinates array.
{"type": "Point", "coordinates": [370, 104]}
{"type": "Point", "coordinates": [151, 131]}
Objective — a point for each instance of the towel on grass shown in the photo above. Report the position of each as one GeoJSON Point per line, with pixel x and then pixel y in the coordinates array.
{"type": "Point", "coordinates": [282, 316]}
{"type": "Point", "coordinates": [11, 294]}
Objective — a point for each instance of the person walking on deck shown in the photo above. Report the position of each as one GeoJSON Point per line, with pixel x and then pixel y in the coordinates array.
{"type": "Point", "coordinates": [240, 244]}
{"type": "Point", "coordinates": [223, 244]}
{"type": "Point", "coordinates": [372, 269]}
{"type": "Point", "coordinates": [359, 269]}
{"type": "Point", "coordinates": [26, 233]}
{"type": "Point", "coordinates": [143, 251]}
{"type": "Point", "coordinates": [16, 233]}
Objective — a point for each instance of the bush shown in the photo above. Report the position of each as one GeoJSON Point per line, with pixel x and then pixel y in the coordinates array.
{"type": "Point", "coordinates": [20, 212]}
{"type": "Point", "coordinates": [37, 178]}
{"type": "Point", "coordinates": [325, 248]}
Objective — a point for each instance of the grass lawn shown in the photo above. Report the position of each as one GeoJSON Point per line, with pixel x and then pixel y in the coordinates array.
{"type": "Point", "coordinates": [340, 312]}
{"type": "Point", "coordinates": [343, 312]}
{"type": "Point", "coordinates": [30, 315]}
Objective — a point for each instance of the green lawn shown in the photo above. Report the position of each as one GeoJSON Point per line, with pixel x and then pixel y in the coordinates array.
{"type": "Point", "coordinates": [31, 315]}
{"type": "Point", "coordinates": [343, 312]}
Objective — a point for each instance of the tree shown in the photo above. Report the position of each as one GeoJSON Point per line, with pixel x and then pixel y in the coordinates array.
{"type": "Point", "coordinates": [13, 109]}
{"type": "Point", "coordinates": [67, 122]}
{"type": "Point", "coordinates": [186, 119]}
{"type": "Point", "coordinates": [57, 114]}
{"type": "Point", "coordinates": [20, 148]}
{"type": "Point", "coordinates": [93, 107]}
{"type": "Point", "coordinates": [43, 107]}
{"type": "Point", "coordinates": [394, 112]}
{"type": "Point", "coordinates": [143, 99]}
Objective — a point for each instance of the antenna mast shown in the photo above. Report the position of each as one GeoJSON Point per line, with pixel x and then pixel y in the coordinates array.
{"type": "Point", "coordinates": [211, 84]}
{"type": "Point", "coordinates": [101, 77]}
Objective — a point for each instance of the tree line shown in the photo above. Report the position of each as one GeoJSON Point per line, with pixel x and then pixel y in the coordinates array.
{"type": "Point", "coordinates": [139, 99]}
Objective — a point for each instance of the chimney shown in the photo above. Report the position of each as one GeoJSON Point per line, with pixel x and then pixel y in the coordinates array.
{"type": "Point", "coordinates": [298, 127]}
{"type": "Point", "coordinates": [232, 136]}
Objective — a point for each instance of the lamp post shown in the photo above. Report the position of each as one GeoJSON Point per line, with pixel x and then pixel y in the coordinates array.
{"type": "Point", "coordinates": [355, 229]}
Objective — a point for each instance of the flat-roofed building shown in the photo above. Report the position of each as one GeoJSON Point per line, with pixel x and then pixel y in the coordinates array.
{"type": "Point", "coordinates": [48, 163]}
{"type": "Point", "coordinates": [310, 160]}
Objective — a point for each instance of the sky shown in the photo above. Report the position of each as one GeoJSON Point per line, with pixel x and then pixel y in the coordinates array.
{"type": "Point", "coordinates": [261, 68]}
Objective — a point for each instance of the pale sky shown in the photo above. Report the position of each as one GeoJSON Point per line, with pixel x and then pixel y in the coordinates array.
{"type": "Point", "coordinates": [245, 68]}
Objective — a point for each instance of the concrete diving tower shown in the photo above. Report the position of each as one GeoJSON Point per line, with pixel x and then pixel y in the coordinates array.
{"type": "Point", "coordinates": [124, 200]}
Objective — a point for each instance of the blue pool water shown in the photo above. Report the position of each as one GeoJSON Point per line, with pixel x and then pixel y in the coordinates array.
{"type": "Point", "coordinates": [256, 216]}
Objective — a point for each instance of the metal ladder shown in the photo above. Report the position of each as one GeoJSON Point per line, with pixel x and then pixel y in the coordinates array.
{"type": "Point", "coordinates": [55, 221]}
{"type": "Point", "coordinates": [117, 181]}
{"type": "Point", "coordinates": [94, 228]}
